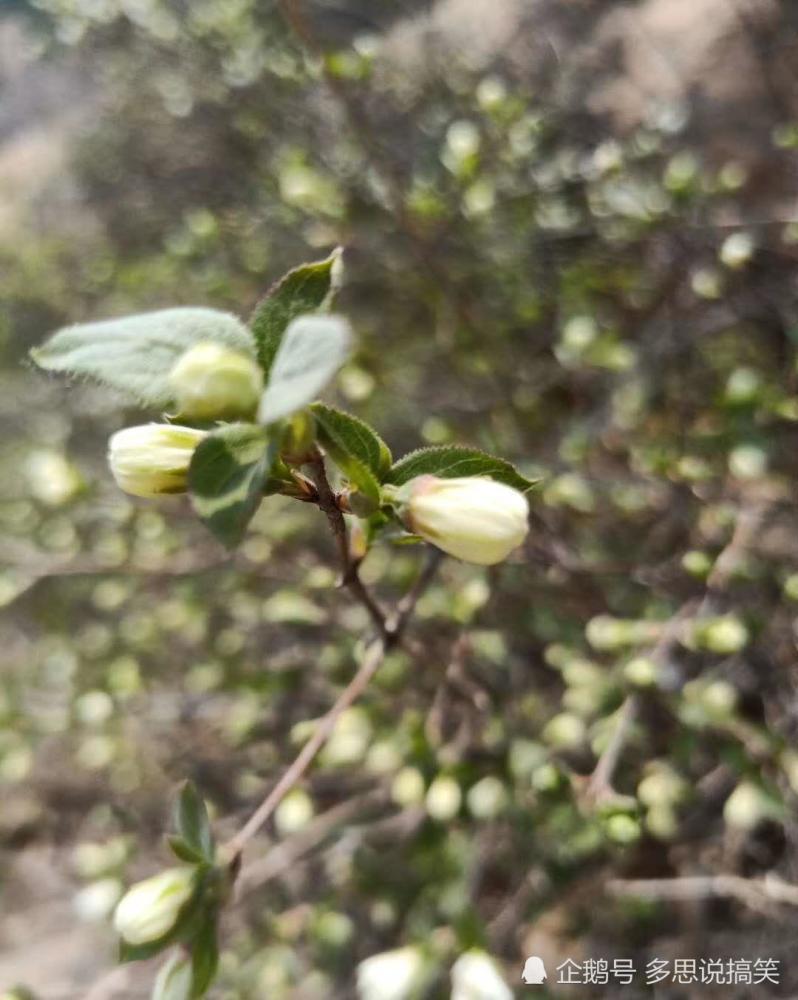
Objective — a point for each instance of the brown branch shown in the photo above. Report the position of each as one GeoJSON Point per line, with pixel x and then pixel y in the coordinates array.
{"type": "Point", "coordinates": [371, 663]}
{"type": "Point", "coordinates": [375, 654]}
{"type": "Point", "coordinates": [330, 504]}
{"type": "Point", "coordinates": [285, 854]}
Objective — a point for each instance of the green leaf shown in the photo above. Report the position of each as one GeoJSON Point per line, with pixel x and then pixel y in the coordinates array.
{"type": "Point", "coordinates": [192, 823]}
{"type": "Point", "coordinates": [312, 351]}
{"type": "Point", "coordinates": [354, 447]}
{"type": "Point", "coordinates": [306, 289]}
{"type": "Point", "coordinates": [451, 461]}
{"type": "Point", "coordinates": [174, 980]}
{"type": "Point", "coordinates": [204, 955]}
{"type": "Point", "coordinates": [135, 354]}
{"type": "Point", "coordinates": [226, 478]}
{"type": "Point", "coordinates": [340, 431]}
{"type": "Point", "coordinates": [184, 852]}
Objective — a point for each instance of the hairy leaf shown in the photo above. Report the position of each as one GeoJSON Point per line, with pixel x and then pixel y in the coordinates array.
{"type": "Point", "coordinates": [306, 289]}
{"type": "Point", "coordinates": [451, 461]}
{"type": "Point", "coordinates": [135, 354]}
{"type": "Point", "coordinates": [226, 478]}
{"type": "Point", "coordinates": [313, 349]}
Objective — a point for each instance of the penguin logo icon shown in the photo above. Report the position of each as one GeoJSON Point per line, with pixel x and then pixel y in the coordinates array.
{"type": "Point", "coordinates": [534, 973]}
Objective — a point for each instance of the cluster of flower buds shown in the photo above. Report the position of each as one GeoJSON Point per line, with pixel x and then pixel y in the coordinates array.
{"type": "Point", "coordinates": [473, 518]}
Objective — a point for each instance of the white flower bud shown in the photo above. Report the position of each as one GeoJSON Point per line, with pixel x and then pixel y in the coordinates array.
{"type": "Point", "coordinates": [475, 976]}
{"type": "Point", "coordinates": [152, 459]}
{"type": "Point", "coordinates": [474, 519]}
{"type": "Point", "coordinates": [213, 382]}
{"type": "Point", "coordinates": [391, 975]}
{"type": "Point", "coordinates": [150, 908]}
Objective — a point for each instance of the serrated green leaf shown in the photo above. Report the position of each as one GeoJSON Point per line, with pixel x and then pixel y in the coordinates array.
{"type": "Point", "coordinates": [451, 461]}
{"type": "Point", "coordinates": [204, 956]}
{"type": "Point", "coordinates": [342, 432]}
{"type": "Point", "coordinates": [312, 351]}
{"type": "Point", "coordinates": [306, 289]}
{"type": "Point", "coordinates": [174, 980]}
{"type": "Point", "coordinates": [192, 823]}
{"type": "Point", "coordinates": [135, 354]}
{"type": "Point", "coordinates": [226, 478]}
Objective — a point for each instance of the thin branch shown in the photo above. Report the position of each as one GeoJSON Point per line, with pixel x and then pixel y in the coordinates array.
{"type": "Point", "coordinates": [407, 605]}
{"type": "Point", "coordinates": [754, 893]}
{"type": "Point", "coordinates": [599, 786]}
{"type": "Point", "coordinates": [329, 503]}
{"type": "Point", "coordinates": [285, 854]}
{"type": "Point", "coordinates": [372, 660]}
{"type": "Point", "coordinates": [371, 663]}
{"type": "Point", "coordinates": [750, 520]}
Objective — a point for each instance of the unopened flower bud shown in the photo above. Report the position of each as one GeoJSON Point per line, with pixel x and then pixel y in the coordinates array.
{"type": "Point", "coordinates": [390, 975]}
{"type": "Point", "coordinates": [174, 978]}
{"type": "Point", "coordinates": [475, 976]}
{"type": "Point", "coordinates": [473, 518]}
{"type": "Point", "coordinates": [152, 459]}
{"type": "Point", "coordinates": [213, 382]}
{"type": "Point", "coordinates": [150, 909]}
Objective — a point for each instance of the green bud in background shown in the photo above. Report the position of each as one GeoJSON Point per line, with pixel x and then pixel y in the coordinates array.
{"type": "Point", "coordinates": [299, 437]}
{"type": "Point", "coordinates": [213, 382]}
{"type": "Point", "coordinates": [443, 799]}
{"type": "Point", "coordinates": [724, 635]}
{"type": "Point", "coordinates": [747, 806]}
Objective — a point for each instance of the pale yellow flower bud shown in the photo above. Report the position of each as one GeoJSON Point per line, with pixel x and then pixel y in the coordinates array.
{"type": "Point", "coordinates": [150, 909]}
{"type": "Point", "coordinates": [152, 459]}
{"type": "Point", "coordinates": [473, 518]}
{"type": "Point", "coordinates": [213, 382]}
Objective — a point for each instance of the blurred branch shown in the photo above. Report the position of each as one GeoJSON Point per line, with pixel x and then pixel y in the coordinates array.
{"type": "Point", "coordinates": [754, 893]}
{"type": "Point", "coordinates": [390, 632]}
{"type": "Point", "coordinates": [285, 854]}
{"type": "Point", "coordinates": [371, 663]}
{"type": "Point", "coordinates": [599, 786]}
{"type": "Point", "coordinates": [750, 519]}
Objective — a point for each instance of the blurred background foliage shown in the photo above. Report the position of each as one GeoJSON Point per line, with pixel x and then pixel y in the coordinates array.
{"type": "Point", "coordinates": [545, 258]}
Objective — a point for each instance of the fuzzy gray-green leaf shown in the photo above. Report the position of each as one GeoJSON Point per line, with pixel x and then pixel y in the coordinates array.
{"type": "Point", "coordinates": [135, 354]}
{"type": "Point", "coordinates": [312, 351]}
